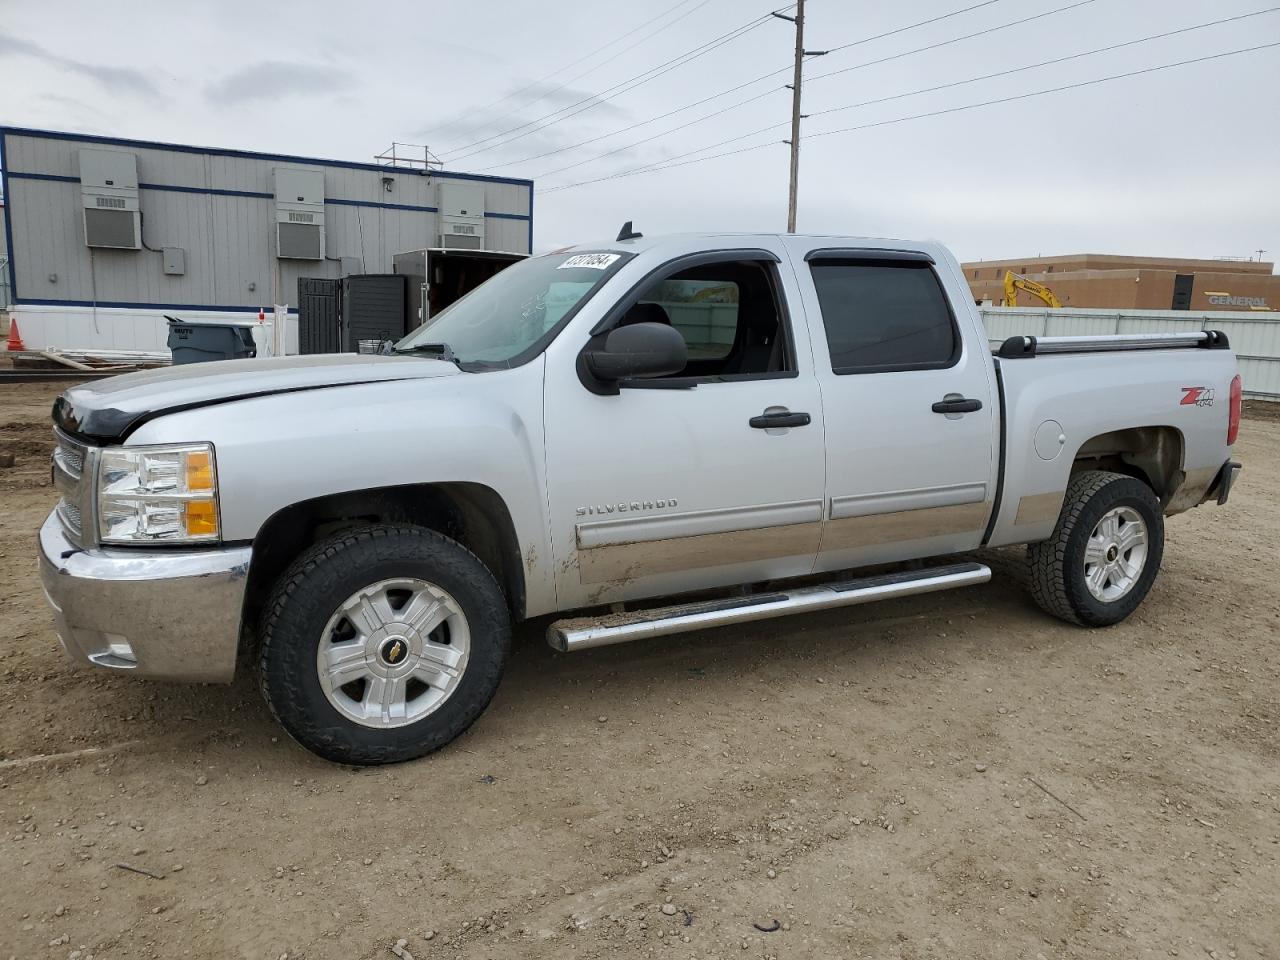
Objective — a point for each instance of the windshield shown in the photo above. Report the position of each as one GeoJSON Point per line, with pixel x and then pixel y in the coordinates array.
{"type": "Point", "coordinates": [518, 310]}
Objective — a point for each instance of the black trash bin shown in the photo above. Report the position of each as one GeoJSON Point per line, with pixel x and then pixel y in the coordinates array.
{"type": "Point", "coordinates": [199, 342]}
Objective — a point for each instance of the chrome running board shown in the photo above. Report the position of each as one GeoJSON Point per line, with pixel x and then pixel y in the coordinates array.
{"type": "Point", "coordinates": [580, 633]}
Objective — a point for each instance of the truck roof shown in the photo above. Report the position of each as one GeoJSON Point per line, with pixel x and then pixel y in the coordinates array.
{"type": "Point", "coordinates": [713, 238]}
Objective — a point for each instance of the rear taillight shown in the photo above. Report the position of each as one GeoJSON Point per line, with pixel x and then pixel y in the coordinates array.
{"type": "Point", "coordinates": [1233, 418]}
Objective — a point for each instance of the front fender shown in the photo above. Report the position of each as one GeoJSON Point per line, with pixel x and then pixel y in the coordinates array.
{"type": "Point", "coordinates": [273, 452]}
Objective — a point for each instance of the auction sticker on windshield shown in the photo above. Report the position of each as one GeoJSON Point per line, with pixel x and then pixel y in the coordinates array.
{"type": "Point", "coordinates": [591, 261]}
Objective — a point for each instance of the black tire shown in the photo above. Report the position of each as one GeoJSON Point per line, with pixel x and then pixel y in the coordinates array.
{"type": "Point", "coordinates": [304, 599]}
{"type": "Point", "coordinates": [1057, 565]}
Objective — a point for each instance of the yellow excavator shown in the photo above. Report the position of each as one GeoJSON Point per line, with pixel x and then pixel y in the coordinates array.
{"type": "Point", "coordinates": [1013, 282]}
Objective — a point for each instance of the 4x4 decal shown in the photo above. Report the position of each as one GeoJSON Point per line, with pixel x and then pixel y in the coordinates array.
{"type": "Point", "coordinates": [1197, 396]}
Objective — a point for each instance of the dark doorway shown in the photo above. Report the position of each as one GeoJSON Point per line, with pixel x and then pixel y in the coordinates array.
{"type": "Point", "coordinates": [1182, 284]}
{"type": "Point", "coordinates": [319, 326]}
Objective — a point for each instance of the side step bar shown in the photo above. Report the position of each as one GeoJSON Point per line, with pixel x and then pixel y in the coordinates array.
{"type": "Point", "coordinates": [581, 633]}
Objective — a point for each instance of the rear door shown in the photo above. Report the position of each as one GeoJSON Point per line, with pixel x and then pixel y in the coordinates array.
{"type": "Point", "coordinates": [908, 402]}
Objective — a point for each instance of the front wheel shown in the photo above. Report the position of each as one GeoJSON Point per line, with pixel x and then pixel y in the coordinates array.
{"type": "Point", "coordinates": [1101, 559]}
{"type": "Point", "coordinates": [383, 644]}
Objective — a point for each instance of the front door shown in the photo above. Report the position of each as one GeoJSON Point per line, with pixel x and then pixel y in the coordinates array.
{"type": "Point", "coordinates": [909, 406]}
{"type": "Point", "coordinates": [707, 478]}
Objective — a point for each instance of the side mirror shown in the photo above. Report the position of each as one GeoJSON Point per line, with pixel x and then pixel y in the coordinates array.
{"type": "Point", "coordinates": [634, 351]}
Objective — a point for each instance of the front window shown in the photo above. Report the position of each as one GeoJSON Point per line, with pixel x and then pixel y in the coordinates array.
{"type": "Point", "coordinates": [728, 313]}
{"type": "Point", "coordinates": [512, 316]}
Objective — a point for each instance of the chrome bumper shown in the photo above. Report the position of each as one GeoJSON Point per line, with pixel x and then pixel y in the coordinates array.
{"type": "Point", "coordinates": [165, 614]}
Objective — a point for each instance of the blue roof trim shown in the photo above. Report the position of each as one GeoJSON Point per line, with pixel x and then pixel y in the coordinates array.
{"type": "Point", "coordinates": [385, 206]}
{"type": "Point", "coordinates": [216, 191]}
{"type": "Point", "coordinates": [139, 306]}
{"type": "Point", "coordinates": [18, 175]}
{"type": "Point", "coordinates": [253, 155]}
{"type": "Point", "coordinates": [8, 221]}
{"type": "Point", "coordinates": [258, 195]}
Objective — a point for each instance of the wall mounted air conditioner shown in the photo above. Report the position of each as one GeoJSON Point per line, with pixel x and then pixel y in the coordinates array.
{"type": "Point", "coordinates": [461, 216]}
{"type": "Point", "coordinates": [299, 214]}
{"type": "Point", "coordinates": [109, 197]}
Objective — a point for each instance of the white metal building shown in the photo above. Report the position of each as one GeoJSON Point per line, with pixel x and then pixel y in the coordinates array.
{"type": "Point", "coordinates": [106, 236]}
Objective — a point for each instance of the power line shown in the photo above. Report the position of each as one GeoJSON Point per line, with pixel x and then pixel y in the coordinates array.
{"type": "Point", "coordinates": [944, 43]}
{"type": "Point", "coordinates": [787, 69]}
{"type": "Point", "coordinates": [568, 66]}
{"type": "Point", "coordinates": [911, 26]}
{"type": "Point", "coordinates": [633, 126]}
{"type": "Point", "coordinates": [666, 165]}
{"type": "Point", "coordinates": [654, 168]}
{"type": "Point", "coordinates": [1041, 93]}
{"type": "Point", "coordinates": [1045, 63]}
{"type": "Point", "coordinates": [986, 76]}
{"type": "Point", "coordinates": [587, 103]}
{"type": "Point", "coordinates": [785, 123]}
{"type": "Point", "coordinates": [664, 133]}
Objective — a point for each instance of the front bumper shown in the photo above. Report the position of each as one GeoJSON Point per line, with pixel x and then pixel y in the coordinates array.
{"type": "Point", "coordinates": [167, 614]}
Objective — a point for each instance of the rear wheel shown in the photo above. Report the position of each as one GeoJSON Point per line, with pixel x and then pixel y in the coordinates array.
{"type": "Point", "coordinates": [1102, 557]}
{"type": "Point", "coordinates": [383, 644]}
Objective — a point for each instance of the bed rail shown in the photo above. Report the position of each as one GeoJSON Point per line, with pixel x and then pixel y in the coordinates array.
{"type": "Point", "coordinates": [1018, 348]}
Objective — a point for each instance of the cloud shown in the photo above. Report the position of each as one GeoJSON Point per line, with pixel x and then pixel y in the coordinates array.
{"type": "Point", "coordinates": [524, 108]}
{"type": "Point", "coordinates": [560, 96]}
{"type": "Point", "coordinates": [119, 80]}
{"type": "Point", "coordinates": [270, 81]}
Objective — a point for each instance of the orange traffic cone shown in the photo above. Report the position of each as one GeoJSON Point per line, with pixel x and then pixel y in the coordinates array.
{"type": "Point", "coordinates": [15, 343]}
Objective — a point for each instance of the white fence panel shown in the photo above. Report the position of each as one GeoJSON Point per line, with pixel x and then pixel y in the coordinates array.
{"type": "Point", "coordinates": [1254, 337]}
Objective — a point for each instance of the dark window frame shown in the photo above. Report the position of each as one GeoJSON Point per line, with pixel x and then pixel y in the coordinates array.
{"type": "Point", "coordinates": [853, 257]}
{"type": "Point", "coordinates": [767, 259]}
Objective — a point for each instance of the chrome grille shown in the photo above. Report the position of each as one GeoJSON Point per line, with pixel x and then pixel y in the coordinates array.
{"type": "Point", "coordinates": [69, 513]}
{"type": "Point", "coordinates": [69, 460]}
{"type": "Point", "coordinates": [73, 481]}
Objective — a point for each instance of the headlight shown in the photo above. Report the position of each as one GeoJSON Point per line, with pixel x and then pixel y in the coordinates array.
{"type": "Point", "coordinates": [148, 494]}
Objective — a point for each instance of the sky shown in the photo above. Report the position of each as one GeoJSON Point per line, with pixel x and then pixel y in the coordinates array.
{"type": "Point", "coordinates": [1175, 162]}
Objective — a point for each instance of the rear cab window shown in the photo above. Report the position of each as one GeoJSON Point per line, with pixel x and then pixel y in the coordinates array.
{"type": "Point", "coordinates": [883, 313]}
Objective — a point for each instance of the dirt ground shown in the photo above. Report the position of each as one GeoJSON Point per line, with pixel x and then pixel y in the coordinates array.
{"type": "Point", "coordinates": [955, 775]}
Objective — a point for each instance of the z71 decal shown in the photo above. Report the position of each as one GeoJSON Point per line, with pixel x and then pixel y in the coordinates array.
{"type": "Point", "coordinates": [1197, 397]}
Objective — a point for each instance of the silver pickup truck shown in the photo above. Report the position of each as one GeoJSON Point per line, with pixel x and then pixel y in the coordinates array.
{"type": "Point", "coordinates": [644, 437]}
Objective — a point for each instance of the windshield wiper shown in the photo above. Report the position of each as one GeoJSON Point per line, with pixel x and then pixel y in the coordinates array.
{"type": "Point", "coordinates": [443, 349]}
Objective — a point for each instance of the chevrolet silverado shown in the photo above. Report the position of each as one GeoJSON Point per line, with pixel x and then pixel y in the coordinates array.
{"type": "Point", "coordinates": [643, 437]}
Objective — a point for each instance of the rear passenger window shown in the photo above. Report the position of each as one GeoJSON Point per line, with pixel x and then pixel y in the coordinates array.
{"type": "Point", "coordinates": [884, 315]}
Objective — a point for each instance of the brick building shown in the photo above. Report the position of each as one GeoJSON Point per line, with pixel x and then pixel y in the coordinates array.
{"type": "Point", "coordinates": [1134, 283]}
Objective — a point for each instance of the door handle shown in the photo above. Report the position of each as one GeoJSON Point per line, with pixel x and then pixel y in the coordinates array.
{"type": "Point", "coordinates": [780, 418]}
{"type": "Point", "coordinates": [959, 405]}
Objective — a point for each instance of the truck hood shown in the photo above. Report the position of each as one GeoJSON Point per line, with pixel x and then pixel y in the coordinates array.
{"type": "Point", "coordinates": [109, 410]}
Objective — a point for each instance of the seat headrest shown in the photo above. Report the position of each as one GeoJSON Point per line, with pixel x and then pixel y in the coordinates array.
{"type": "Point", "coordinates": [645, 313]}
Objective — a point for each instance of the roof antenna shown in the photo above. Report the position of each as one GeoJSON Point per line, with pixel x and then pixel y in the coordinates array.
{"type": "Point", "coordinates": [626, 233]}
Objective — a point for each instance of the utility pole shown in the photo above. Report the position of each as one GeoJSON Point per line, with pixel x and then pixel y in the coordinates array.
{"type": "Point", "coordinates": [797, 78]}
{"type": "Point", "coordinates": [793, 188]}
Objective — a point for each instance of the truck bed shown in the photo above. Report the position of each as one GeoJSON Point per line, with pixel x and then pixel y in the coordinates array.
{"type": "Point", "coordinates": [1062, 397]}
